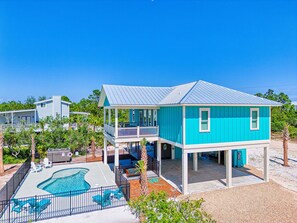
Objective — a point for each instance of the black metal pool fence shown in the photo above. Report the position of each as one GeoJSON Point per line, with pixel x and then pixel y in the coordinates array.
{"type": "Point", "coordinates": [63, 204]}
{"type": "Point", "coordinates": [14, 182]}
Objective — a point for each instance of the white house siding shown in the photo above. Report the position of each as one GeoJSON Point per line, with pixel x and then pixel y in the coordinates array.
{"type": "Point", "coordinates": [43, 112]}
{"type": "Point", "coordinates": [65, 110]}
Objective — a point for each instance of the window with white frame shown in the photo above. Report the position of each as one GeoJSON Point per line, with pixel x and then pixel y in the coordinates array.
{"type": "Point", "coordinates": [254, 121]}
{"type": "Point", "coordinates": [150, 117]}
{"type": "Point", "coordinates": [204, 120]}
{"type": "Point", "coordinates": [155, 117]}
{"type": "Point", "coordinates": [144, 117]}
{"type": "Point", "coordinates": [133, 115]}
{"type": "Point", "coordinates": [42, 105]}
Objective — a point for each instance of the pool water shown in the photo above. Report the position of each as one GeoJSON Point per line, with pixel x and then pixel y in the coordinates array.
{"type": "Point", "coordinates": [66, 181]}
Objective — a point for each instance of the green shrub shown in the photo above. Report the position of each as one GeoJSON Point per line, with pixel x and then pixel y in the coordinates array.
{"type": "Point", "coordinates": [156, 207]}
{"type": "Point", "coordinates": [293, 132]}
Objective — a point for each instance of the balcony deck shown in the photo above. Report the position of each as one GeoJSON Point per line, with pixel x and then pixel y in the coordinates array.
{"type": "Point", "coordinates": [132, 132]}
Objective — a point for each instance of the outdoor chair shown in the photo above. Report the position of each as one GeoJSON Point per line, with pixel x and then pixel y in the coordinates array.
{"type": "Point", "coordinates": [47, 163]}
{"type": "Point", "coordinates": [18, 204]}
{"type": "Point", "coordinates": [34, 168]}
{"type": "Point", "coordinates": [39, 206]}
{"type": "Point", "coordinates": [118, 194]}
{"type": "Point", "coordinates": [103, 200]}
{"type": "Point", "coordinates": [132, 172]}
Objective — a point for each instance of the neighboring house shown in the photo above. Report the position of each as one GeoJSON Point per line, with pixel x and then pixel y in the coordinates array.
{"type": "Point", "coordinates": [188, 119]}
{"type": "Point", "coordinates": [46, 108]}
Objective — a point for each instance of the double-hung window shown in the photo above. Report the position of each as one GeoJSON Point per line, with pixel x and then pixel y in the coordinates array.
{"type": "Point", "coordinates": [204, 125]}
{"type": "Point", "coordinates": [254, 120]}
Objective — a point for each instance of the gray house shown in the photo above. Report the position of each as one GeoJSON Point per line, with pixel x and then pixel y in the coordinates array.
{"type": "Point", "coordinates": [50, 107]}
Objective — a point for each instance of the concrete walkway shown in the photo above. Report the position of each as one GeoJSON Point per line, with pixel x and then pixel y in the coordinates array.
{"type": "Point", "coordinates": [210, 175]}
{"type": "Point", "coordinates": [112, 215]}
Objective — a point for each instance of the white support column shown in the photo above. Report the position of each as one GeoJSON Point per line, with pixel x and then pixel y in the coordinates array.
{"type": "Point", "coordinates": [116, 155]}
{"type": "Point", "coordinates": [247, 156]}
{"type": "Point", "coordinates": [172, 152]}
{"type": "Point", "coordinates": [185, 172]}
{"type": "Point", "coordinates": [184, 125]}
{"type": "Point", "coordinates": [266, 164]}
{"type": "Point", "coordinates": [195, 161]}
{"type": "Point", "coordinates": [116, 123]}
{"type": "Point", "coordinates": [104, 116]}
{"type": "Point", "coordinates": [159, 157]}
{"type": "Point", "coordinates": [105, 151]}
{"type": "Point", "coordinates": [109, 116]}
{"type": "Point", "coordinates": [219, 157]}
{"type": "Point", "coordinates": [228, 168]}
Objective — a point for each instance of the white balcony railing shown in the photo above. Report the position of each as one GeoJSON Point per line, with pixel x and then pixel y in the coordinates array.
{"type": "Point", "coordinates": [126, 132]}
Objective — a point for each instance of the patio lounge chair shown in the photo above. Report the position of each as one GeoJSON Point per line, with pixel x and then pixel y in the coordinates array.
{"type": "Point", "coordinates": [39, 206]}
{"type": "Point", "coordinates": [47, 163]}
{"type": "Point", "coordinates": [19, 204]}
{"type": "Point", "coordinates": [34, 168]}
{"type": "Point", "coordinates": [103, 200]}
{"type": "Point", "coordinates": [132, 172]}
{"type": "Point", "coordinates": [118, 194]}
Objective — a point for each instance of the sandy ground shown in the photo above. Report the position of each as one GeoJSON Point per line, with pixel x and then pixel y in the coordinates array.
{"type": "Point", "coordinates": [265, 202]}
{"type": "Point", "coordinates": [285, 176]}
{"type": "Point", "coordinates": [9, 170]}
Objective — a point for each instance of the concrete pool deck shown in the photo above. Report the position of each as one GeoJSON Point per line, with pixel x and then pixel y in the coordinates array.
{"type": "Point", "coordinates": [98, 175]}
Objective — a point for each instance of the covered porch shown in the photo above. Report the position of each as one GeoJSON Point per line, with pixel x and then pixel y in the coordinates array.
{"type": "Point", "coordinates": [191, 173]}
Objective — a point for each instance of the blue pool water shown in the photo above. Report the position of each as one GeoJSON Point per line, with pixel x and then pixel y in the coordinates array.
{"type": "Point", "coordinates": [66, 180]}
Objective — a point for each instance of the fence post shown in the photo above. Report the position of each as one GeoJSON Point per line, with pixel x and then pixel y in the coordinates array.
{"type": "Point", "coordinates": [6, 191]}
{"type": "Point", "coordinates": [101, 197]}
{"type": "Point", "coordinates": [70, 202]}
{"type": "Point", "coordinates": [35, 211]}
{"type": "Point", "coordinates": [8, 210]}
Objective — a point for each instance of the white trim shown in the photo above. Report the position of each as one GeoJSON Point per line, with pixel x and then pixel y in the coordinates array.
{"type": "Point", "coordinates": [175, 144]}
{"type": "Point", "coordinates": [200, 119]}
{"type": "Point", "coordinates": [136, 139]}
{"type": "Point", "coordinates": [184, 126]}
{"type": "Point", "coordinates": [133, 115]}
{"type": "Point", "coordinates": [270, 123]}
{"type": "Point", "coordinates": [79, 113]}
{"type": "Point", "coordinates": [222, 146]}
{"type": "Point", "coordinates": [16, 111]}
{"type": "Point", "coordinates": [251, 118]}
{"type": "Point", "coordinates": [116, 123]}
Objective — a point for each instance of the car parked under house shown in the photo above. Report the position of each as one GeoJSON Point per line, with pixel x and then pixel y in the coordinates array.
{"type": "Point", "coordinates": [185, 121]}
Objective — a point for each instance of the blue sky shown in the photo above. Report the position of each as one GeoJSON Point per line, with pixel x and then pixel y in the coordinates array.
{"type": "Point", "coordinates": [72, 47]}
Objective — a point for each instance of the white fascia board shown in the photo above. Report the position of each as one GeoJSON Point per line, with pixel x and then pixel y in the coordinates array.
{"type": "Point", "coordinates": [133, 107]}
{"type": "Point", "coordinates": [148, 138]}
{"type": "Point", "coordinates": [171, 142]}
{"type": "Point", "coordinates": [16, 111]}
{"type": "Point", "coordinates": [226, 146]}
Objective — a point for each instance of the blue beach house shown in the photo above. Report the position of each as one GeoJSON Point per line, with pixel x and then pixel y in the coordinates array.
{"type": "Point", "coordinates": [184, 121]}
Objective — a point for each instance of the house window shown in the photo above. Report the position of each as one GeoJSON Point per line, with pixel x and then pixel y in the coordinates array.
{"type": "Point", "coordinates": [254, 119]}
{"type": "Point", "coordinates": [144, 118]}
{"type": "Point", "coordinates": [133, 115]}
{"type": "Point", "coordinates": [204, 120]}
{"type": "Point", "coordinates": [42, 105]}
{"type": "Point", "coordinates": [155, 117]}
{"type": "Point", "coordinates": [150, 117]}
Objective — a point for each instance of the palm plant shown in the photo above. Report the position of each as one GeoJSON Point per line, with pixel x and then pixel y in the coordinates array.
{"type": "Point", "coordinates": [286, 138]}
{"type": "Point", "coordinates": [142, 166]}
{"type": "Point", "coordinates": [33, 147]}
{"type": "Point", "coordinates": [1, 152]}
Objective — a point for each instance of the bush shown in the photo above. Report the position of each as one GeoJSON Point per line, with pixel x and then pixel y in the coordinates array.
{"type": "Point", "coordinates": [293, 132]}
{"type": "Point", "coordinates": [156, 207]}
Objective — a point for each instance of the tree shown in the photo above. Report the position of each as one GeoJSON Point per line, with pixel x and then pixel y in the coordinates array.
{"type": "Point", "coordinates": [93, 146]}
{"type": "Point", "coordinates": [143, 168]}
{"type": "Point", "coordinates": [286, 138]}
{"type": "Point", "coordinates": [30, 100]}
{"type": "Point", "coordinates": [33, 147]}
{"type": "Point", "coordinates": [157, 208]}
{"type": "Point", "coordinates": [41, 98]}
{"type": "Point", "coordinates": [65, 98]}
{"type": "Point", "coordinates": [1, 152]}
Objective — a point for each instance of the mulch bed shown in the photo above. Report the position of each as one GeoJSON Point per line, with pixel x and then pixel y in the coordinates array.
{"type": "Point", "coordinates": [162, 185]}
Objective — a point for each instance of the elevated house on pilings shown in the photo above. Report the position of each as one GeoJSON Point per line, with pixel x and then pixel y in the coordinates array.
{"type": "Point", "coordinates": [198, 122]}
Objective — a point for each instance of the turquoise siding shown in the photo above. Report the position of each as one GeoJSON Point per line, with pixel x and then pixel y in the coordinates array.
{"type": "Point", "coordinates": [106, 102]}
{"type": "Point", "coordinates": [136, 116]}
{"type": "Point", "coordinates": [178, 152]}
{"type": "Point", "coordinates": [170, 122]}
{"type": "Point", "coordinates": [227, 124]}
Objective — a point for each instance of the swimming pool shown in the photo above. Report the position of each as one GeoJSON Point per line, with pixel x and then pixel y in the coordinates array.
{"type": "Point", "coordinates": [66, 181]}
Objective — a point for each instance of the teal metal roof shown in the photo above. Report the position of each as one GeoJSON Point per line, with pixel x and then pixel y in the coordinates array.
{"type": "Point", "coordinates": [194, 93]}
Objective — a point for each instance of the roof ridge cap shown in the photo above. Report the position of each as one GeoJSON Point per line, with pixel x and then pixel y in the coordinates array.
{"type": "Point", "coordinates": [196, 82]}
